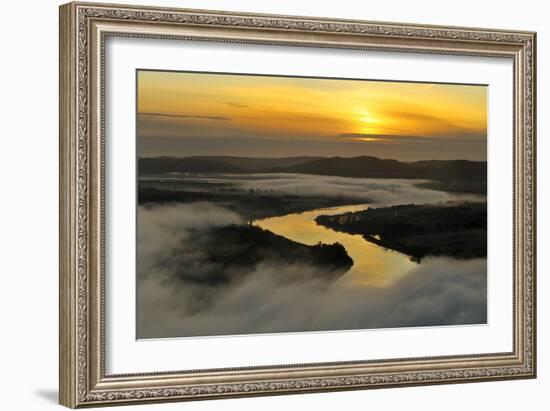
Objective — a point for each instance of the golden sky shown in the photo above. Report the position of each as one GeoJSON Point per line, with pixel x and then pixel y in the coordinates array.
{"type": "Point", "coordinates": [243, 115]}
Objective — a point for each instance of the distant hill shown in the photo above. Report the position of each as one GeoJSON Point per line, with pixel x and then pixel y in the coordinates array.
{"type": "Point", "coordinates": [164, 165]}
{"type": "Point", "coordinates": [450, 171]}
{"type": "Point", "coordinates": [372, 167]}
{"type": "Point", "coordinates": [256, 165]}
{"type": "Point", "coordinates": [216, 164]}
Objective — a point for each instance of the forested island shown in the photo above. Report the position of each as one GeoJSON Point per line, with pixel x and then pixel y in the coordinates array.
{"type": "Point", "coordinates": [223, 255]}
{"type": "Point", "coordinates": [455, 230]}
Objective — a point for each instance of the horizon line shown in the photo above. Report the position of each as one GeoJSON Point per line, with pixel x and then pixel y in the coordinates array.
{"type": "Point", "coordinates": [304, 156]}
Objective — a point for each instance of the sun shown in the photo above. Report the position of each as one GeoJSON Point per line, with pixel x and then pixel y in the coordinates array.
{"type": "Point", "coordinates": [367, 121]}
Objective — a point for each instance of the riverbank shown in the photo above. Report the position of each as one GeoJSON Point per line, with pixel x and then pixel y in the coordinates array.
{"type": "Point", "coordinates": [288, 206]}
{"type": "Point", "coordinates": [250, 204]}
{"type": "Point", "coordinates": [453, 230]}
{"type": "Point", "coordinates": [372, 264]}
{"type": "Point", "coordinates": [230, 252]}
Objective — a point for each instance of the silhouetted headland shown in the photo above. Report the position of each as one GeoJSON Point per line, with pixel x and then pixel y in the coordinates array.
{"type": "Point", "coordinates": [230, 252]}
{"type": "Point", "coordinates": [458, 231]}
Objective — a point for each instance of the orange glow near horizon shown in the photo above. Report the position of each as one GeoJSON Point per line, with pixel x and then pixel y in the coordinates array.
{"type": "Point", "coordinates": [180, 103]}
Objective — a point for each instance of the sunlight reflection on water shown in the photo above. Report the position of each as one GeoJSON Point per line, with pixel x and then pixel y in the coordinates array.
{"type": "Point", "coordinates": [372, 265]}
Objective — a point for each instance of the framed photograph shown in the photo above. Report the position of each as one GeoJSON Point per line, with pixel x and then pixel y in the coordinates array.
{"type": "Point", "coordinates": [260, 204]}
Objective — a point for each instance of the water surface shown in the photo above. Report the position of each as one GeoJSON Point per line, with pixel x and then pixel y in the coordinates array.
{"type": "Point", "coordinates": [372, 264]}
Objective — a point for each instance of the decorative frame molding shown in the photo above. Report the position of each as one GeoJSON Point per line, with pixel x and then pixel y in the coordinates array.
{"type": "Point", "coordinates": [83, 30]}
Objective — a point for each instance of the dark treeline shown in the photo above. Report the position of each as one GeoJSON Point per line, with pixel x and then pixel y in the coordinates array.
{"type": "Point", "coordinates": [226, 254]}
{"type": "Point", "coordinates": [456, 175]}
{"type": "Point", "coordinates": [458, 231]}
{"type": "Point", "coordinates": [249, 204]}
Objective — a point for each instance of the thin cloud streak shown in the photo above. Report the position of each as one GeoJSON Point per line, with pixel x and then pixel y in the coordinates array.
{"type": "Point", "coordinates": [399, 139]}
{"type": "Point", "coordinates": [229, 103]}
{"type": "Point", "coordinates": [218, 118]}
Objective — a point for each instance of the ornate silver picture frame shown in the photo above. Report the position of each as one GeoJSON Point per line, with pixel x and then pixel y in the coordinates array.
{"type": "Point", "coordinates": [84, 30]}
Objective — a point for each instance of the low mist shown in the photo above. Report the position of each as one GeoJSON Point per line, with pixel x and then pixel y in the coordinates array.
{"type": "Point", "coordinates": [379, 192]}
{"type": "Point", "coordinates": [440, 291]}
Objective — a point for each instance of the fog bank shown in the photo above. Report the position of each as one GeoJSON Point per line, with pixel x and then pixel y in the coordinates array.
{"type": "Point", "coordinates": [440, 291]}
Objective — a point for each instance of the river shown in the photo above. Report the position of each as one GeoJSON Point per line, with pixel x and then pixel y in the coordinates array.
{"type": "Point", "coordinates": [372, 265]}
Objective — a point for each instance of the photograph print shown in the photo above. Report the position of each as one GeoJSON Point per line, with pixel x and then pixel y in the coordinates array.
{"type": "Point", "coordinates": [273, 204]}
